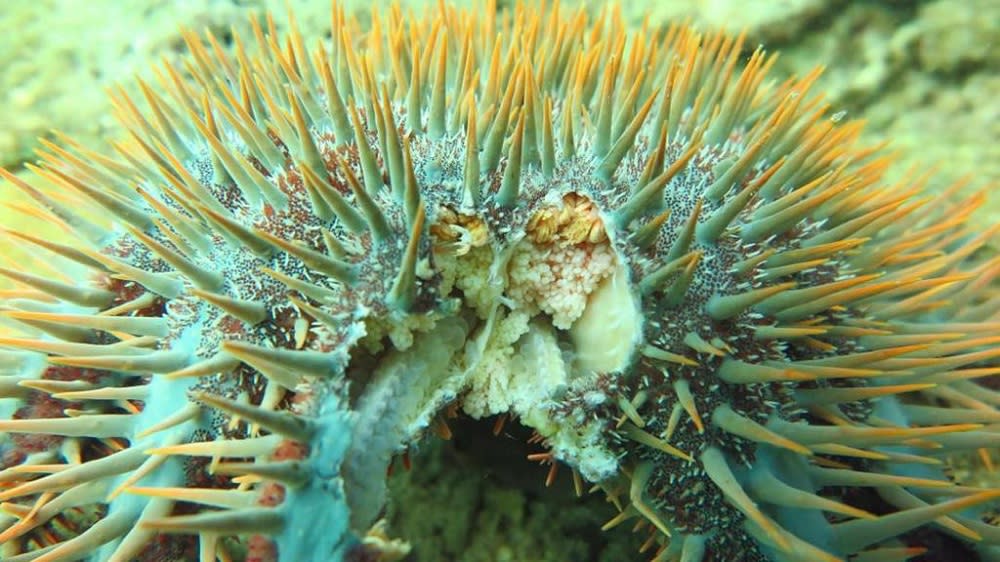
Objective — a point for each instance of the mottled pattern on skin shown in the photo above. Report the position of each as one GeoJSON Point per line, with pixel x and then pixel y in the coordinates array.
{"type": "Point", "coordinates": [686, 278]}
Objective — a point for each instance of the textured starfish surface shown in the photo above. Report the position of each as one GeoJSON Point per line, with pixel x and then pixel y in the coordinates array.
{"type": "Point", "coordinates": [688, 279]}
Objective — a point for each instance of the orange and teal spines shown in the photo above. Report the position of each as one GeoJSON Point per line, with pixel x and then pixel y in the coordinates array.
{"type": "Point", "coordinates": [522, 150]}
{"type": "Point", "coordinates": [763, 295]}
{"type": "Point", "coordinates": [886, 345]}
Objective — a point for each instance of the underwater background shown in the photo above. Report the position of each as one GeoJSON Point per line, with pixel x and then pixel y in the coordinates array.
{"type": "Point", "coordinates": [923, 74]}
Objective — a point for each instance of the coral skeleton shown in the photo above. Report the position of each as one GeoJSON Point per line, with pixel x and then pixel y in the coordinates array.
{"type": "Point", "coordinates": [687, 278]}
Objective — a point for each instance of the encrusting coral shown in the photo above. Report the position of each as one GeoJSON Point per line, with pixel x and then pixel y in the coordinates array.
{"type": "Point", "coordinates": [687, 279]}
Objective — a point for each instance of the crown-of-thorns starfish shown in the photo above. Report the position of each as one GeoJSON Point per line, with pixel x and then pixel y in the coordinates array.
{"type": "Point", "coordinates": [691, 283]}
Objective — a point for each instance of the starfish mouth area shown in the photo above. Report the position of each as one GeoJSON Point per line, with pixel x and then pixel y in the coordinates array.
{"type": "Point", "coordinates": [552, 314]}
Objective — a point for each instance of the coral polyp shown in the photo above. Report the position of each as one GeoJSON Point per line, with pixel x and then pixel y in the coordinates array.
{"type": "Point", "coordinates": [689, 280]}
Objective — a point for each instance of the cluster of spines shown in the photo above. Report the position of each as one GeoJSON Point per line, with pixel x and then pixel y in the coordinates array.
{"type": "Point", "coordinates": [180, 226]}
{"type": "Point", "coordinates": [868, 329]}
{"type": "Point", "coordinates": [299, 93]}
{"type": "Point", "coordinates": [887, 322]}
{"type": "Point", "coordinates": [915, 262]}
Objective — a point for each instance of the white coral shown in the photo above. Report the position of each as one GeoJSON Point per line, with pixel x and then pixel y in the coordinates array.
{"type": "Point", "coordinates": [558, 279]}
{"type": "Point", "coordinates": [490, 377]}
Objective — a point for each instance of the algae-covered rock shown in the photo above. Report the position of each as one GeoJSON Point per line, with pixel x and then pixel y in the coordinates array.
{"type": "Point", "coordinates": [958, 36]}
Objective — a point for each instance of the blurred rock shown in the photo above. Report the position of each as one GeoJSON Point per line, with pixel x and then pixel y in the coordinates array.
{"type": "Point", "coordinates": [958, 36]}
